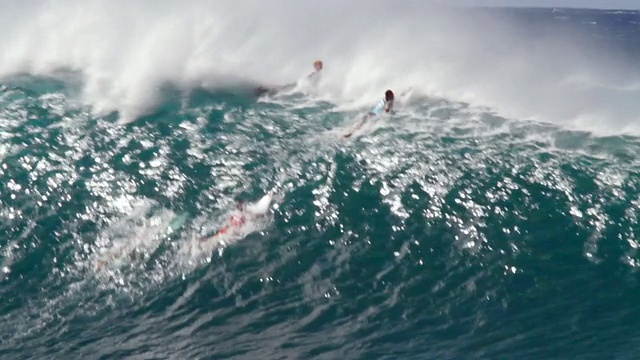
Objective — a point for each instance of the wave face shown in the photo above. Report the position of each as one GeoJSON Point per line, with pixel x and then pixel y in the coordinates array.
{"type": "Point", "coordinates": [493, 217]}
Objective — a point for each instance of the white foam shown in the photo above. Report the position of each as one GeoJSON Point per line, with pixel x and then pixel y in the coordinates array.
{"type": "Point", "coordinates": [127, 50]}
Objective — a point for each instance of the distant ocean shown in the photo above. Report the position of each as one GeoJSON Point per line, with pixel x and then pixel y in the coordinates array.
{"type": "Point", "coordinates": [493, 216]}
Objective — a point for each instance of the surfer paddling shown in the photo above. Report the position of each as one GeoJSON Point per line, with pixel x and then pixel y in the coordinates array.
{"type": "Point", "coordinates": [385, 105]}
{"type": "Point", "coordinates": [312, 78]}
{"type": "Point", "coordinates": [244, 214]}
{"type": "Point", "coordinates": [236, 221]}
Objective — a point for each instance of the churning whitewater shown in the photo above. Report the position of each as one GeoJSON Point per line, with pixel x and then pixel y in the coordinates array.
{"type": "Point", "coordinates": [153, 206]}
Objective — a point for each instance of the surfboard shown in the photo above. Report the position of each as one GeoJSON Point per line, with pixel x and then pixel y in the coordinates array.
{"type": "Point", "coordinates": [359, 125]}
{"type": "Point", "coordinates": [261, 207]}
{"type": "Point", "coordinates": [273, 90]}
{"type": "Point", "coordinates": [263, 90]}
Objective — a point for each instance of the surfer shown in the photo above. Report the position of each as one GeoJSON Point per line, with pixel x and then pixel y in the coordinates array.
{"type": "Point", "coordinates": [312, 78]}
{"type": "Point", "coordinates": [244, 213]}
{"type": "Point", "coordinates": [236, 220]}
{"type": "Point", "coordinates": [385, 105]}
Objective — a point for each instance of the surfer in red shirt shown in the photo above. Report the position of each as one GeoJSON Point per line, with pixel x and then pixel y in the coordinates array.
{"type": "Point", "coordinates": [236, 220]}
{"type": "Point", "coordinates": [244, 214]}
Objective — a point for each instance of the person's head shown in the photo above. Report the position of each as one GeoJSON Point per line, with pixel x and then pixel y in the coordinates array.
{"type": "Point", "coordinates": [241, 205]}
{"type": "Point", "coordinates": [317, 65]}
{"type": "Point", "coordinates": [388, 96]}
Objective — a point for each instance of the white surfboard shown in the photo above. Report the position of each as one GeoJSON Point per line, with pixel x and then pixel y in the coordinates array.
{"type": "Point", "coordinates": [261, 207]}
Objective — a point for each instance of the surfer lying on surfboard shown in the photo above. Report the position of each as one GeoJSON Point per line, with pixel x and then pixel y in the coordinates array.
{"type": "Point", "coordinates": [236, 220]}
{"type": "Point", "coordinates": [244, 213]}
{"type": "Point", "coordinates": [312, 79]}
{"type": "Point", "coordinates": [384, 105]}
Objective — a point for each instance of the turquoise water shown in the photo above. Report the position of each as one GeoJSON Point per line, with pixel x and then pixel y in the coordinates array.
{"type": "Point", "coordinates": [446, 231]}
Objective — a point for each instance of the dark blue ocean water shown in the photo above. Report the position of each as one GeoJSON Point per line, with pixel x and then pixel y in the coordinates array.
{"type": "Point", "coordinates": [446, 231]}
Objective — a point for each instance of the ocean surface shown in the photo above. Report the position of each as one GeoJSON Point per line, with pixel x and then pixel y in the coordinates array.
{"type": "Point", "coordinates": [493, 216]}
